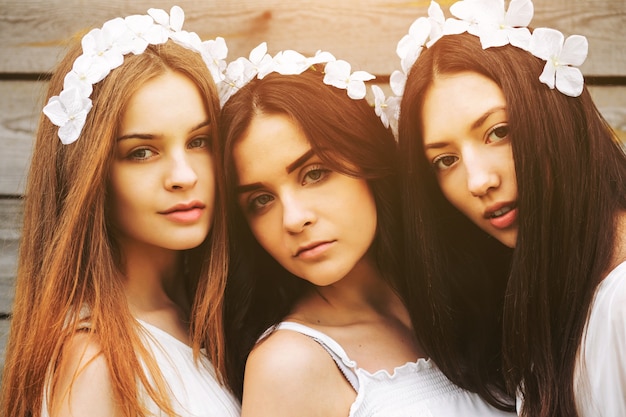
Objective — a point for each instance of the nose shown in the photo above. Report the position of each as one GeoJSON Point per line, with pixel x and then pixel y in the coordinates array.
{"type": "Point", "coordinates": [297, 214]}
{"type": "Point", "coordinates": [180, 175]}
{"type": "Point", "coordinates": [481, 174]}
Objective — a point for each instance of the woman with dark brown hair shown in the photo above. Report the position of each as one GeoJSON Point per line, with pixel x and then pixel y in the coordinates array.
{"type": "Point", "coordinates": [314, 314]}
{"type": "Point", "coordinates": [501, 142]}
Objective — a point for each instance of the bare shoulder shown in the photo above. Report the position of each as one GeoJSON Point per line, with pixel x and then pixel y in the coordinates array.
{"type": "Point", "coordinates": [289, 374]}
{"type": "Point", "coordinates": [84, 380]}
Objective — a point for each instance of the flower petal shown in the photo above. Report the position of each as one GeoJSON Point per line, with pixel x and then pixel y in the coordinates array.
{"type": "Point", "coordinates": [491, 38]}
{"type": "Point", "coordinates": [519, 37]}
{"type": "Point", "coordinates": [574, 50]}
{"type": "Point", "coordinates": [362, 76]}
{"type": "Point", "coordinates": [397, 81]}
{"type": "Point", "coordinates": [337, 73]}
{"type": "Point", "coordinates": [356, 89]}
{"type": "Point", "coordinates": [547, 75]}
{"type": "Point", "coordinates": [177, 18]}
{"type": "Point", "coordinates": [257, 54]}
{"type": "Point", "coordinates": [160, 16]}
{"type": "Point", "coordinates": [519, 13]}
{"type": "Point", "coordinates": [546, 43]}
{"type": "Point", "coordinates": [569, 81]}
{"type": "Point", "coordinates": [55, 111]}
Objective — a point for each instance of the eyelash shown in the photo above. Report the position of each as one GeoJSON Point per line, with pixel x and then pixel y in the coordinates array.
{"type": "Point", "coordinates": [495, 129]}
{"type": "Point", "coordinates": [439, 159]}
{"type": "Point", "coordinates": [254, 205]}
{"type": "Point", "coordinates": [198, 142]}
{"type": "Point", "coordinates": [437, 162]}
{"type": "Point", "coordinates": [323, 174]}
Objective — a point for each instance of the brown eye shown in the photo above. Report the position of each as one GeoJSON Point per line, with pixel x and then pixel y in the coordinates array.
{"type": "Point", "coordinates": [444, 162]}
{"type": "Point", "coordinates": [498, 133]}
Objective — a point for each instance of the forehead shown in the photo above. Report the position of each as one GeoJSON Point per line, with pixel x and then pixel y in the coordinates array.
{"type": "Point", "coordinates": [457, 101]}
{"type": "Point", "coordinates": [271, 142]}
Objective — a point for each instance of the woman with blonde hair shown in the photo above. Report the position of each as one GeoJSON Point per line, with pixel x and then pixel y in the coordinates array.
{"type": "Point", "coordinates": [123, 234]}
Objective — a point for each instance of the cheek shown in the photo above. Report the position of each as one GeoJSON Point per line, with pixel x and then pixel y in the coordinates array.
{"type": "Point", "coordinates": [265, 231]}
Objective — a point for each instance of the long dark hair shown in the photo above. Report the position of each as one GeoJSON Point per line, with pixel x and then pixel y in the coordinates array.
{"type": "Point", "coordinates": [348, 136]}
{"type": "Point", "coordinates": [571, 179]}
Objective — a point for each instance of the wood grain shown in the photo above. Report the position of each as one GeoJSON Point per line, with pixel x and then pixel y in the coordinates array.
{"type": "Point", "coordinates": [33, 33]}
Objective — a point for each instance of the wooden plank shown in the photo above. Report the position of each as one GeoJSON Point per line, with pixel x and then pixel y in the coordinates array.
{"type": "Point", "coordinates": [19, 114]}
{"type": "Point", "coordinates": [5, 325]}
{"type": "Point", "coordinates": [10, 230]}
{"type": "Point", "coordinates": [611, 101]}
{"type": "Point", "coordinates": [33, 33]}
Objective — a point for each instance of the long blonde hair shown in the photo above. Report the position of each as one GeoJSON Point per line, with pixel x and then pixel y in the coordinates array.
{"type": "Point", "coordinates": [68, 257]}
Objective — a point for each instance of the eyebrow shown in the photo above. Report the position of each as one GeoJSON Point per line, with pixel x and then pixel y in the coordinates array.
{"type": "Point", "coordinates": [290, 168]}
{"type": "Point", "coordinates": [475, 125]}
{"type": "Point", "coordinates": [484, 117]}
{"type": "Point", "coordinates": [300, 161]}
{"type": "Point", "coordinates": [151, 136]}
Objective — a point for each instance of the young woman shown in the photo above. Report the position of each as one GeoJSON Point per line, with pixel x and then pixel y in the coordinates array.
{"type": "Point", "coordinates": [314, 314]}
{"type": "Point", "coordinates": [122, 228]}
{"type": "Point", "coordinates": [489, 149]}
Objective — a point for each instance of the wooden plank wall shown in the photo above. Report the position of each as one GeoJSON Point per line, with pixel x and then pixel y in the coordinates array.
{"type": "Point", "coordinates": [34, 33]}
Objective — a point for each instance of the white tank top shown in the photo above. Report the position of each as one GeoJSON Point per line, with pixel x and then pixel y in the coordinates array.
{"type": "Point", "coordinates": [414, 389]}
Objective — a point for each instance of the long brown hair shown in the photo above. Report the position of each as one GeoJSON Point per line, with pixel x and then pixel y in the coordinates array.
{"type": "Point", "coordinates": [348, 136]}
{"type": "Point", "coordinates": [571, 179]}
{"type": "Point", "coordinates": [68, 257]}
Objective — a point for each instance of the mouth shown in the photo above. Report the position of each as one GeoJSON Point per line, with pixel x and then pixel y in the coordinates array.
{"type": "Point", "coordinates": [502, 217]}
{"type": "Point", "coordinates": [183, 207]}
{"type": "Point", "coordinates": [312, 249]}
{"type": "Point", "coordinates": [499, 212]}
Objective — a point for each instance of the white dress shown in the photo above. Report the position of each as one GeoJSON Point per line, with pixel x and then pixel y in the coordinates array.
{"type": "Point", "coordinates": [416, 389]}
{"type": "Point", "coordinates": [600, 377]}
{"type": "Point", "coordinates": [194, 389]}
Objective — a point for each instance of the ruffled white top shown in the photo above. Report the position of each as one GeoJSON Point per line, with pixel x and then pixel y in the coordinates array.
{"type": "Point", "coordinates": [600, 378]}
{"type": "Point", "coordinates": [415, 389]}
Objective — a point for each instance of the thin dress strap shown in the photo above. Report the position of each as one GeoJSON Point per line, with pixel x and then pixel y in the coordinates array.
{"type": "Point", "coordinates": [336, 352]}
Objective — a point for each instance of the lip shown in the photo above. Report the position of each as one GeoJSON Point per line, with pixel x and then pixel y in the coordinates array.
{"type": "Point", "coordinates": [184, 212]}
{"type": "Point", "coordinates": [502, 215]}
{"type": "Point", "coordinates": [314, 249]}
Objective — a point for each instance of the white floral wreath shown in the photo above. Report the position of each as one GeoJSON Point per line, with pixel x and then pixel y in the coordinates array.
{"type": "Point", "coordinates": [104, 49]}
{"type": "Point", "coordinates": [488, 20]}
{"type": "Point", "coordinates": [337, 73]}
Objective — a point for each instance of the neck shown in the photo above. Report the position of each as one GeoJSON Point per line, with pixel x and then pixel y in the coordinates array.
{"type": "Point", "coordinates": [154, 280]}
{"type": "Point", "coordinates": [360, 296]}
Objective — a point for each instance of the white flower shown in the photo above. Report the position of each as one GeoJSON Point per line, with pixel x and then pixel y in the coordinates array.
{"type": "Point", "coordinates": [173, 22]}
{"type": "Point", "coordinates": [410, 46]}
{"type": "Point", "coordinates": [470, 13]}
{"type": "Point", "coordinates": [290, 62]}
{"type": "Point", "coordinates": [102, 43]}
{"type": "Point", "coordinates": [142, 32]}
{"type": "Point", "coordinates": [237, 74]}
{"type": "Point", "coordinates": [338, 74]}
{"type": "Point", "coordinates": [261, 60]}
{"type": "Point", "coordinates": [386, 108]}
{"type": "Point", "coordinates": [321, 57]}
{"type": "Point", "coordinates": [437, 23]}
{"type": "Point", "coordinates": [214, 54]}
{"type": "Point", "coordinates": [488, 20]}
{"type": "Point", "coordinates": [68, 111]}
{"type": "Point", "coordinates": [86, 71]}
{"type": "Point", "coordinates": [561, 59]}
